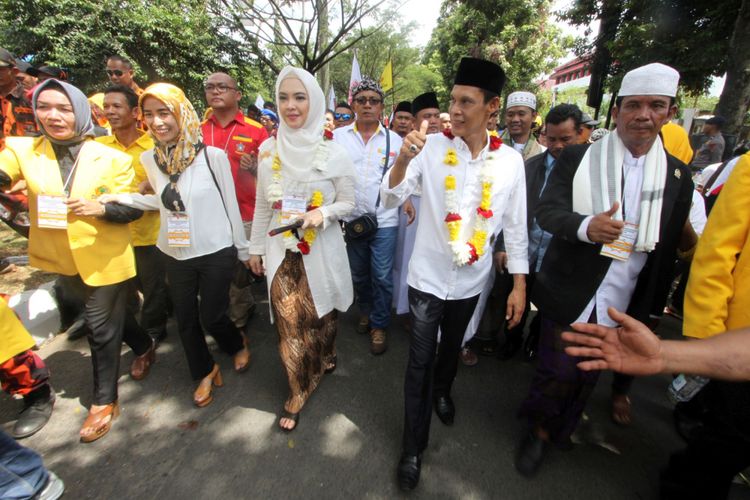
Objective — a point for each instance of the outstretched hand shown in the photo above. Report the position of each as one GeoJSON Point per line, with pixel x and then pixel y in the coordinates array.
{"type": "Point", "coordinates": [631, 348]}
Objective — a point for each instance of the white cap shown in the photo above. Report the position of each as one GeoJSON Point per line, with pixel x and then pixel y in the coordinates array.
{"type": "Point", "coordinates": [522, 99]}
{"type": "Point", "coordinates": [651, 79]}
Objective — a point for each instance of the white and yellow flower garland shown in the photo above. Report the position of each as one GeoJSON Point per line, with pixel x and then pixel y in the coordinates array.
{"type": "Point", "coordinates": [468, 252]}
{"type": "Point", "coordinates": [275, 193]}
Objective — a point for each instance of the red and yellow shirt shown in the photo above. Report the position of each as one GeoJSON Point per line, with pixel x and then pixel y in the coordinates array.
{"type": "Point", "coordinates": [237, 138]}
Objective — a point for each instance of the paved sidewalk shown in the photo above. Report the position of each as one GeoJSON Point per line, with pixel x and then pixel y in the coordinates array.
{"type": "Point", "coordinates": [347, 441]}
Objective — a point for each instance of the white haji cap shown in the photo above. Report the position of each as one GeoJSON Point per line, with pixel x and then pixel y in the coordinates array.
{"type": "Point", "coordinates": [522, 99]}
{"type": "Point", "coordinates": [651, 79]}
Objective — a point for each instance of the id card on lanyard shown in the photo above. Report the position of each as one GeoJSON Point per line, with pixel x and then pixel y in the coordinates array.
{"type": "Point", "coordinates": [622, 247]}
{"type": "Point", "coordinates": [178, 229]}
{"type": "Point", "coordinates": [292, 207]}
{"type": "Point", "coordinates": [52, 212]}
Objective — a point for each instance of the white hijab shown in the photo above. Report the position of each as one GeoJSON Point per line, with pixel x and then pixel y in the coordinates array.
{"type": "Point", "coordinates": [298, 147]}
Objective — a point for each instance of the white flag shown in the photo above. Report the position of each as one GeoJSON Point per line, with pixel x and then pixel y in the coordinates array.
{"type": "Point", "coordinates": [259, 102]}
{"type": "Point", "coordinates": [331, 99]}
{"type": "Point", "coordinates": [355, 78]}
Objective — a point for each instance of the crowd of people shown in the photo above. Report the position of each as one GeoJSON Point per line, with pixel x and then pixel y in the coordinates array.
{"type": "Point", "coordinates": [145, 210]}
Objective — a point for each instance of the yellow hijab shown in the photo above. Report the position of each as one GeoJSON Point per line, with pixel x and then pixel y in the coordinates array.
{"type": "Point", "coordinates": [189, 142]}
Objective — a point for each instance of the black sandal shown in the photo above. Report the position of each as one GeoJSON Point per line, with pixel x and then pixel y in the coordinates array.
{"type": "Point", "coordinates": [294, 417]}
{"type": "Point", "coordinates": [332, 367]}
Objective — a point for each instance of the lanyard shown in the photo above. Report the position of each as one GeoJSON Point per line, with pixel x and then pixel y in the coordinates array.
{"type": "Point", "coordinates": [229, 137]}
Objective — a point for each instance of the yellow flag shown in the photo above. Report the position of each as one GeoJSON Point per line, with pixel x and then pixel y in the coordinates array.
{"type": "Point", "coordinates": [386, 79]}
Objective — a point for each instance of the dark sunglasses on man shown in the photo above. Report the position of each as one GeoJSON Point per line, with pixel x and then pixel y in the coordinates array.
{"type": "Point", "coordinates": [374, 101]}
{"type": "Point", "coordinates": [342, 116]}
{"type": "Point", "coordinates": [115, 72]}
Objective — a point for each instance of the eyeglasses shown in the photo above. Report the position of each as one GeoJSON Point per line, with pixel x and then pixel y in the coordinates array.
{"type": "Point", "coordinates": [373, 100]}
{"type": "Point", "coordinates": [342, 116]}
{"type": "Point", "coordinates": [220, 88]}
{"type": "Point", "coordinates": [116, 72]}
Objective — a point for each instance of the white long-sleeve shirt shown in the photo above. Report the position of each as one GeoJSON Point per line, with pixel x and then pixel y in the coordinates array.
{"type": "Point", "coordinates": [431, 268]}
{"type": "Point", "coordinates": [210, 229]}
{"type": "Point", "coordinates": [368, 162]}
{"type": "Point", "coordinates": [618, 285]}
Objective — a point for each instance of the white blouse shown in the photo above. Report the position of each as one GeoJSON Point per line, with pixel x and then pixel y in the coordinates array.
{"type": "Point", "coordinates": [327, 264]}
{"type": "Point", "coordinates": [210, 228]}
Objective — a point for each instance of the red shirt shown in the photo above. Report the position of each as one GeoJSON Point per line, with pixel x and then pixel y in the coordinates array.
{"type": "Point", "coordinates": [239, 137]}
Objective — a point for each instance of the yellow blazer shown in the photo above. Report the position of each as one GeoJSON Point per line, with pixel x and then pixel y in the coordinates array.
{"type": "Point", "coordinates": [718, 292]}
{"type": "Point", "coordinates": [677, 142]}
{"type": "Point", "coordinates": [98, 250]}
{"type": "Point", "coordinates": [14, 339]}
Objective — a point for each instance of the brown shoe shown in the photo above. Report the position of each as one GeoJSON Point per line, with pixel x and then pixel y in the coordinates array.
{"type": "Point", "coordinates": [242, 357]}
{"type": "Point", "coordinates": [364, 325]}
{"type": "Point", "coordinates": [99, 423]}
{"type": "Point", "coordinates": [377, 341]}
{"type": "Point", "coordinates": [202, 395]}
{"type": "Point", "coordinates": [141, 365]}
{"type": "Point", "coordinates": [468, 357]}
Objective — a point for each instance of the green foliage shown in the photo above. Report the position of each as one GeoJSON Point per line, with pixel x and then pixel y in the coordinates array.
{"type": "Point", "coordinates": [515, 34]}
{"type": "Point", "coordinates": [167, 40]}
{"type": "Point", "coordinates": [693, 37]}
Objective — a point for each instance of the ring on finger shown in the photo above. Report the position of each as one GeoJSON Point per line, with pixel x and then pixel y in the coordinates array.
{"type": "Point", "coordinates": [413, 148]}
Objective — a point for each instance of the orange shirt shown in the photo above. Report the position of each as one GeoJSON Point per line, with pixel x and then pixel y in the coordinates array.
{"type": "Point", "coordinates": [239, 137]}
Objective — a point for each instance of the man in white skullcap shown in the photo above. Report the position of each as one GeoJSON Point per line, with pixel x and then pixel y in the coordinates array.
{"type": "Point", "coordinates": [616, 210]}
{"type": "Point", "coordinates": [520, 113]}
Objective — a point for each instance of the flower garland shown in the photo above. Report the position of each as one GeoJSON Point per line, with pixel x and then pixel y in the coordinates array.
{"type": "Point", "coordinates": [275, 194]}
{"type": "Point", "coordinates": [468, 252]}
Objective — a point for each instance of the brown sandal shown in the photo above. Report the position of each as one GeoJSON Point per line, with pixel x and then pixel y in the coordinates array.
{"type": "Point", "coordinates": [96, 421]}
{"type": "Point", "coordinates": [202, 395]}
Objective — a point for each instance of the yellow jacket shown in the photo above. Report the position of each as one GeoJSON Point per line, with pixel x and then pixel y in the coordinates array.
{"type": "Point", "coordinates": [718, 292]}
{"type": "Point", "coordinates": [98, 250]}
{"type": "Point", "coordinates": [677, 142]}
{"type": "Point", "coordinates": [144, 231]}
{"type": "Point", "coordinates": [14, 339]}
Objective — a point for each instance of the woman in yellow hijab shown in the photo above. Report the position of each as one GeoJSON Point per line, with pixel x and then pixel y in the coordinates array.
{"type": "Point", "coordinates": [201, 231]}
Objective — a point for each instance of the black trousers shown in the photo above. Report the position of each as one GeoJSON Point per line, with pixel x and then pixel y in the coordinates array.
{"type": "Point", "coordinates": [716, 451]}
{"type": "Point", "coordinates": [110, 323]}
{"type": "Point", "coordinates": [207, 276]}
{"type": "Point", "coordinates": [428, 375]}
{"type": "Point", "coordinates": [151, 280]}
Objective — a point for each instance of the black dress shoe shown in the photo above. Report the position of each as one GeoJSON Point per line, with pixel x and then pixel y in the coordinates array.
{"type": "Point", "coordinates": [445, 409]}
{"type": "Point", "coordinates": [158, 337]}
{"type": "Point", "coordinates": [35, 415]}
{"type": "Point", "coordinates": [77, 330]}
{"type": "Point", "coordinates": [408, 471]}
{"type": "Point", "coordinates": [530, 455]}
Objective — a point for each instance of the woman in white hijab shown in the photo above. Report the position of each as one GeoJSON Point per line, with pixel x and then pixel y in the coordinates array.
{"type": "Point", "coordinates": [303, 176]}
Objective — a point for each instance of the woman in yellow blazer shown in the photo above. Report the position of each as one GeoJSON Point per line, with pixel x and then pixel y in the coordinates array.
{"type": "Point", "coordinates": [718, 293]}
{"type": "Point", "coordinates": [74, 235]}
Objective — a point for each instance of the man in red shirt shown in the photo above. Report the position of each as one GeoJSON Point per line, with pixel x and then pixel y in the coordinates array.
{"type": "Point", "coordinates": [228, 129]}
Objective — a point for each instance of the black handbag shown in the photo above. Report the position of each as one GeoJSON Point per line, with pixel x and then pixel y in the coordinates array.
{"type": "Point", "coordinates": [365, 226]}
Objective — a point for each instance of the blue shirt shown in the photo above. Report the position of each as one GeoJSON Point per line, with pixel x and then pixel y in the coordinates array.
{"type": "Point", "coordinates": [539, 238]}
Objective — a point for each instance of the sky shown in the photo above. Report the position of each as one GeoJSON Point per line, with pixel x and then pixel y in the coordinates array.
{"type": "Point", "coordinates": [425, 13]}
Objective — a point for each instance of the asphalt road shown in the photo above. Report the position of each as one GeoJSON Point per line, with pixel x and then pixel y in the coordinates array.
{"type": "Point", "coordinates": [347, 441]}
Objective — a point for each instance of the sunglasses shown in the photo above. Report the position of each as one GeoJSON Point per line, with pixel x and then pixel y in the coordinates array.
{"type": "Point", "coordinates": [373, 100]}
{"type": "Point", "coordinates": [116, 72]}
{"type": "Point", "coordinates": [342, 116]}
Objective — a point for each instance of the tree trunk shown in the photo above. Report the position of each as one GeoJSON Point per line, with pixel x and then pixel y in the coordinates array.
{"type": "Point", "coordinates": [323, 73]}
{"type": "Point", "coordinates": [735, 98]}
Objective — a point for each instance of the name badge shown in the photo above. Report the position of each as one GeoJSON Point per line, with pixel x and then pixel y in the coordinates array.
{"type": "Point", "coordinates": [292, 207]}
{"type": "Point", "coordinates": [178, 229]}
{"type": "Point", "coordinates": [52, 213]}
{"type": "Point", "coordinates": [622, 247]}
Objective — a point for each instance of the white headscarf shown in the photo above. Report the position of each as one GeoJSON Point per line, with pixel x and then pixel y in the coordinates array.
{"type": "Point", "coordinates": [297, 147]}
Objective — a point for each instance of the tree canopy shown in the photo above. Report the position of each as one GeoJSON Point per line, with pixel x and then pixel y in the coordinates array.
{"type": "Point", "coordinates": [167, 40]}
{"type": "Point", "coordinates": [516, 35]}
